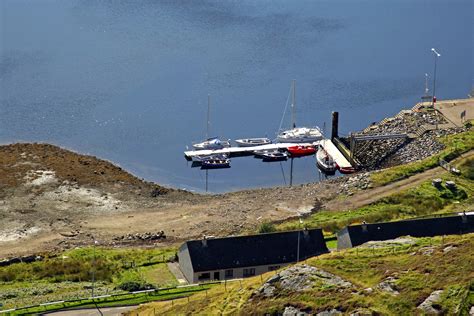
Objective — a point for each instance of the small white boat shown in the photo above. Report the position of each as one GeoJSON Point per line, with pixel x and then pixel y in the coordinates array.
{"type": "Point", "coordinates": [249, 142]}
{"type": "Point", "coordinates": [212, 143]}
{"type": "Point", "coordinates": [300, 135]}
{"type": "Point", "coordinates": [325, 162]}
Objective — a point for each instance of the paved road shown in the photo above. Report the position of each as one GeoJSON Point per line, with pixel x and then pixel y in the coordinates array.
{"type": "Point", "coordinates": [106, 311]}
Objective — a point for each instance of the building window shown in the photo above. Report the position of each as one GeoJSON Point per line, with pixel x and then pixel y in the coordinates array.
{"type": "Point", "coordinates": [249, 272]}
{"type": "Point", "coordinates": [229, 273]}
{"type": "Point", "coordinates": [204, 276]}
{"type": "Point", "coordinates": [273, 268]}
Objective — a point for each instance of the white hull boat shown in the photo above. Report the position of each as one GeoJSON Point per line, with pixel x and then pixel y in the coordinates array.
{"type": "Point", "coordinates": [212, 143]}
{"type": "Point", "coordinates": [325, 162]}
{"type": "Point", "coordinates": [249, 142]}
{"type": "Point", "coordinates": [300, 135]}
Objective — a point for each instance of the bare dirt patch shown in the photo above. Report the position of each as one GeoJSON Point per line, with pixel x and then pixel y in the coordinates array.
{"type": "Point", "coordinates": [52, 198]}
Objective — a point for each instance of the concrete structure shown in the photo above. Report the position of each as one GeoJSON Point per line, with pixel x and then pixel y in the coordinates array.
{"type": "Point", "coordinates": [244, 256]}
{"type": "Point", "coordinates": [356, 235]}
{"type": "Point", "coordinates": [452, 109]}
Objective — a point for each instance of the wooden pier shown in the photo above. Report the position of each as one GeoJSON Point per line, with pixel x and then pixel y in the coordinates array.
{"type": "Point", "coordinates": [243, 151]}
{"type": "Point", "coordinates": [327, 144]}
{"type": "Point", "coordinates": [334, 152]}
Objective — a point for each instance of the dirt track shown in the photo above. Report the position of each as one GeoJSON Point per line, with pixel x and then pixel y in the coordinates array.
{"type": "Point", "coordinates": [370, 196]}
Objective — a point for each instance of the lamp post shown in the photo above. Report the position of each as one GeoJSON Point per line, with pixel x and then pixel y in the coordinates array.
{"type": "Point", "coordinates": [436, 56]}
{"type": "Point", "coordinates": [299, 232]}
{"type": "Point", "coordinates": [93, 267]}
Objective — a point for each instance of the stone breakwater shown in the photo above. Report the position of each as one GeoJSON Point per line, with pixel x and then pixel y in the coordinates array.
{"type": "Point", "coordinates": [425, 129]}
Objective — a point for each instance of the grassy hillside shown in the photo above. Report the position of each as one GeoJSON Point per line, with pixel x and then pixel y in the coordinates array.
{"type": "Point", "coordinates": [456, 145]}
{"type": "Point", "coordinates": [414, 271]}
{"type": "Point", "coordinates": [69, 274]}
{"type": "Point", "coordinates": [420, 201]}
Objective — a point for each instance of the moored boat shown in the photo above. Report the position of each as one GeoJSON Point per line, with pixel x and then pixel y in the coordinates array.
{"type": "Point", "coordinates": [212, 143]}
{"type": "Point", "coordinates": [346, 170]}
{"type": "Point", "coordinates": [301, 151]}
{"type": "Point", "coordinates": [271, 155]}
{"type": "Point", "coordinates": [300, 135]}
{"type": "Point", "coordinates": [325, 162]}
{"type": "Point", "coordinates": [215, 162]}
{"type": "Point", "coordinates": [249, 142]}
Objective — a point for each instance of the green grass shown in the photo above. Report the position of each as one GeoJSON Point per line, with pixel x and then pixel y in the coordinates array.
{"type": "Point", "coordinates": [123, 300]}
{"type": "Point", "coordinates": [69, 274]}
{"type": "Point", "coordinates": [416, 276]}
{"type": "Point", "coordinates": [416, 202]}
{"type": "Point", "coordinates": [455, 146]}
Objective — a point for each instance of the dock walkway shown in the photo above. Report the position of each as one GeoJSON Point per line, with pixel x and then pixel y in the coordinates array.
{"type": "Point", "coordinates": [327, 144]}
{"type": "Point", "coordinates": [242, 151]}
{"type": "Point", "coordinates": [338, 157]}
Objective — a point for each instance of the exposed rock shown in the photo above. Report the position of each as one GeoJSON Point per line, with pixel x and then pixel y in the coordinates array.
{"type": "Point", "coordinates": [360, 181]}
{"type": "Point", "coordinates": [299, 278]}
{"type": "Point", "coordinates": [427, 251]}
{"type": "Point", "coordinates": [293, 311]}
{"type": "Point", "coordinates": [141, 237]}
{"type": "Point", "coordinates": [471, 311]}
{"type": "Point", "coordinates": [331, 312]}
{"type": "Point", "coordinates": [384, 153]}
{"type": "Point", "coordinates": [388, 285]}
{"type": "Point", "coordinates": [449, 248]}
{"type": "Point", "coordinates": [369, 290]}
{"type": "Point", "coordinates": [430, 306]}
{"type": "Point", "coordinates": [389, 243]}
{"type": "Point", "coordinates": [361, 313]}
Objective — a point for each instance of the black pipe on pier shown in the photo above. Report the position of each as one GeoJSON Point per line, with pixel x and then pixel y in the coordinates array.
{"type": "Point", "coordinates": [335, 125]}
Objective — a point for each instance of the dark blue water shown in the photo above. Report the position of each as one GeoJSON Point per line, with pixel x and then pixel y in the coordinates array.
{"type": "Point", "coordinates": [128, 80]}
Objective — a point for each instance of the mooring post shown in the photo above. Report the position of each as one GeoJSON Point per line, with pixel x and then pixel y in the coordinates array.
{"type": "Point", "coordinates": [335, 125]}
{"type": "Point", "coordinates": [291, 172]}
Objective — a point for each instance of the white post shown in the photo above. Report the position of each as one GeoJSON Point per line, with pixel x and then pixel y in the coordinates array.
{"type": "Point", "coordinates": [434, 78]}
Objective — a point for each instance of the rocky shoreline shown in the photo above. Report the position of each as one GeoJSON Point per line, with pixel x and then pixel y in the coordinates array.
{"type": "Point", "coordinates": [424, 129]}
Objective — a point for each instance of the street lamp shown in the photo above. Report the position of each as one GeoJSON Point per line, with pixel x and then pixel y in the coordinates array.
{"type": "Point", "coordinates": [93, 267]}
{"type": "Point", "coordinates": [434, 79]}
{"type": "Point", "coordinates": [298, 248]}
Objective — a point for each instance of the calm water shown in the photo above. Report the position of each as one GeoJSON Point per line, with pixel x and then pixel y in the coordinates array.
{"type": "Point", "coordinates": [128, 80]}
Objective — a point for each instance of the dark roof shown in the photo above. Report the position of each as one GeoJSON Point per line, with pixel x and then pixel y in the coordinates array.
{"type": "Point", "coordinates": [425, 227]}
{"type": "Point", "coordinates": [254, 250]}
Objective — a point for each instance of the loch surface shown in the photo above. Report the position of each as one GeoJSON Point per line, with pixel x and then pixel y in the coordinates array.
{"type": "Point", "coordinates": [128, 81]}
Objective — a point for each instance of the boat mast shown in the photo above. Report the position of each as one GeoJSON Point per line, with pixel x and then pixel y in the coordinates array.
{"type": "Point", "coordinates": [208, 111]}
{"type": "Point", "coordinates": [426, 85]}
{"type": "Point", "coordinates": [293, 104]}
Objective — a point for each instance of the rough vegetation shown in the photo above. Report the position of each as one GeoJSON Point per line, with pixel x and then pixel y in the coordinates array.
{"type": "Point", "coordinates": [69, 274]}
{"type": "Point", "coordinates": [386, 280]}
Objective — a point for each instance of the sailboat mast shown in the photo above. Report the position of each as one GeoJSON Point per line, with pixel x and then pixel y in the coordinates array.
{"type": "Point", "coordinates": [293, 104]}
{"type": "Point", "coordinates": [426, 84]}
{"type": "Point", "coordinates": [208, 113]}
